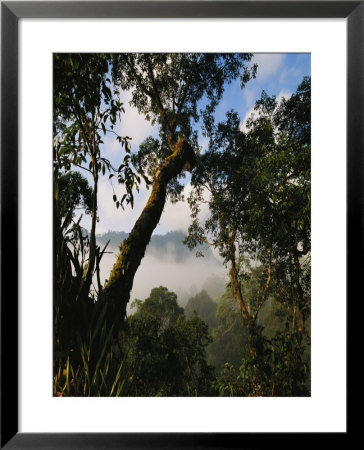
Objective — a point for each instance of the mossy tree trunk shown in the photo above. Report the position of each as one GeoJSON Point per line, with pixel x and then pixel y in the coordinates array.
{"type": "Point", "coordinates": [249, 317]}
{"type": "Point", "coordinates": [235, 284]}
{"type": "Point", "coordinates": [166, 88]}
{"type": "Point", "coordinates": [132, 250]}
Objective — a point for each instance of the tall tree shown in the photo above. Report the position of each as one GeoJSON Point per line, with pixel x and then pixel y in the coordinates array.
{"type": "Point", "coordinates": [230, 336]}
{"type": "Point", "coordinates": [86, 107]}
{"type": "Point", "coordinates": [166, 352]}
{"type": "Point", "coordinates": [167, 89]}
{"type": "Point", "coordinates": [257, 185]}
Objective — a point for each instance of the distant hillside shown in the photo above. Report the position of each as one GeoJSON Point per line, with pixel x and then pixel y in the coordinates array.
{"type": "Point", "coordinates": [115, 238]}
{"type": "Point", "coordinates": [168, 246]}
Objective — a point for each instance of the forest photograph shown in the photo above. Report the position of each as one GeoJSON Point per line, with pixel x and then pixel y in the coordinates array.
{"type": "Point", "coordinates": [181, 225]}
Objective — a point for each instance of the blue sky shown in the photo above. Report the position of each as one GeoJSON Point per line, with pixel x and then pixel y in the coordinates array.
{"type": "Point", "coordinates": [278, 74]}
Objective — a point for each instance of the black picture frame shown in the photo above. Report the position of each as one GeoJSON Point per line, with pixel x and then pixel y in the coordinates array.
{"type": "Point", "coordinates": [11, 12]}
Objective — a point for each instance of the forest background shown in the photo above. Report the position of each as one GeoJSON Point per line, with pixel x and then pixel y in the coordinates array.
{"type": "Point", "coordinates": [254, 178]}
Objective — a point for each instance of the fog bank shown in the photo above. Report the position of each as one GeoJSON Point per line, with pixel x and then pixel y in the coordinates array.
{"type": "Point", "coordinates": [169, 263]}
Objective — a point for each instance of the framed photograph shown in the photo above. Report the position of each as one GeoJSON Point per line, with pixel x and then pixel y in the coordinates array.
{"type": "Point", "coordinates": [179, 129]}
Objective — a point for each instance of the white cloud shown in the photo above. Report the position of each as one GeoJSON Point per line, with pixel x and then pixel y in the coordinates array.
{"type": "Point", "coordinates": [268, 64]}
{"type": "Point", "coordinates": [177, 216]}
{"type": "Point", "coordinates": [250, 94]}
{"type": "Point", "coordinates": [132, 124]}
{"type": "Point", "coordinates": [247, 116]}
{"type": "Point", "coordinates": [283, 94]}
{"type": "Point", "coordinates": [174, 217]}
{"type": "Point", "coordinates": [204, 144]}
{"type": "Point", "coordinates": [112, 218]}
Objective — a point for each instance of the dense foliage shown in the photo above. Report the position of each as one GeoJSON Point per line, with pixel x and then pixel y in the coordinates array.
{"type": "Point", "coordinates": [166, 351]}
{"type": "Point", "coordinates": [254, 339]}
{"type": "Point", "coordinates": [202, 305]}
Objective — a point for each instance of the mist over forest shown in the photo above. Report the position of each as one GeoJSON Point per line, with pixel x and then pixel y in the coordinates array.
{"type": "Point", "coordinates": [168, 262]}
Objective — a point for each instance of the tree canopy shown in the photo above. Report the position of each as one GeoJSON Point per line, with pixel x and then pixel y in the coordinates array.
{"type": "Point", "coordinates": [166, 351]}
{"type": "Point", "coordinates": [249, 197]}
{"type": "Point", "coordinates": [166, 88]}
{"type": "Point", "coordinates": [257, 186]}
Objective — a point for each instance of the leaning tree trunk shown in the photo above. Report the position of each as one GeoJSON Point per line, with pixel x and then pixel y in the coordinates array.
{"type": "Point", "coordinates": [117, 289]}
